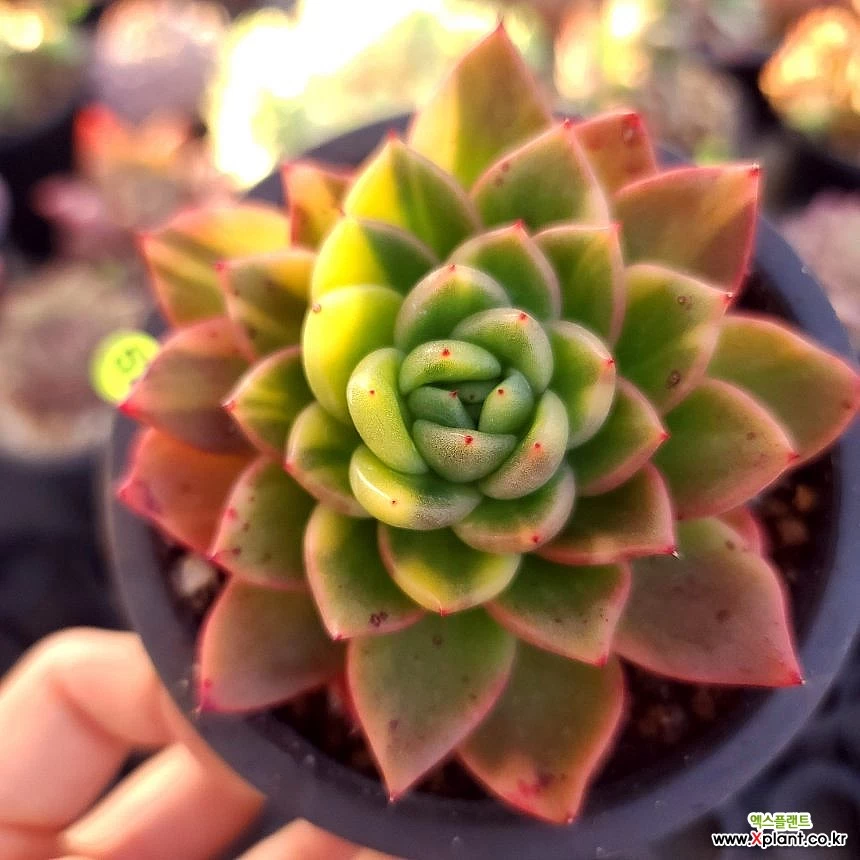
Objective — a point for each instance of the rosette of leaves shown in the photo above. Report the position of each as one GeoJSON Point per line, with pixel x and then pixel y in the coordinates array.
{"type": "Point", "coordinates": [475, 424]}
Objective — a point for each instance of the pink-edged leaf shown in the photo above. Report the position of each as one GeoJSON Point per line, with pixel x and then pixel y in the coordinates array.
{"type": "Point", "coordinates": [468, 123]}
{"type": "Point", "coordinates": [618, 148]}
{"type": "Point", "coordinates": [319, 450]}
{"type": "Point", "coordinates": [625, 442]}
{"type": "Point", "coordinates": [260, 647]}
{"type": "Point", "coordinates": [260, 536]}
{"type": "Point", "coordinates": [314, 193]}
{"type": "Point", "coordinates": [699, 220]}
{"type": "Point", "coordinates": [632, 520]}
{"type": "Point", "coordinates": [353, 591]}
{"type": "Point", "coordinates": [716, 615]}
{"type": "Point", "coordinates": [545, 181]}
{"type": "Point", "coordinates": [547, 735]}
{"type": "Point", "coordinates": [669, 334]}
{"type": "Point", "coordinates": [571, 611]}
{"type": "Point", "coordinates": [268, 398]}
{"type": "Point", "coordinates": [747, 525]}
{"type": "Point", "coordinates": [439, 571]}
{"type": "Point", "coordinates": [182, 391]}
{"type": "Point", "coordinates": [267, 297]}
{"type": "Point", "coordinates": [811, 392]}
{"type": "Point", "coordinates": [182, 255]}
{"type": "Point", "coordinates": [420, 692]}
{"type": "Point", "coordinates": [723, 449]}
{"type": "Point", "coordinates": [590, 272]}
{"type": "Point", "coordinates": [181, 489]}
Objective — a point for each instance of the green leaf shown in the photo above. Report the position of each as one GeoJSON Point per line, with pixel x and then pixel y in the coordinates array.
{"type": "Point", "coordinates": [508, 406]}
{"type": "Point", "coordinates": [632, 520]}
{"type": "Point", "coordinates": [267, 297]}
{"type": "Point", "coordinates": [342, 328]}
{"type": "Point", "coordinates": [259, 539]}
{"type": "Point", "coordinates": [466, 124]}
{"type": "Point", "coordinates": [420, 692]}
{"type": "Point", "coordinates": [670, 331]}
{"type": "Point", "coordinates": [523, 524]}
{"type": "Point", "coordinates": [583, 377]}
{"type": "Point", "coordinates": [511, 257]}
{"type": "Point", "coordinates": [181, 256]}
{"type": "Point", "coordinates": [314, 193]}
{"type": "Point", "coordinates": [319, 449]}
{"type": "Point", "coordinates": [440, 406]}
{"type": "Point", "coordinates": [812, 393]}
{"type": "Point", "coordinates": [267, 399]}
{"type": "Point", "coordinates": [716, 615]}
{"type": "Point", "coordinates": [353, 591]}
{"type": "Point", "coordinates": [359, 252]}
{"type": "Point", "coordinates": [545, 181]}
{"type": "Point", "coordinates": [724, 448]}
{"type": "Point", "coordinates": [571, 611]}
{"type": "Point", "coordinates": [421, 502]}
{"type": "Point", "coordinates": [378, 411]}
{"type": "Point", "coordinates": [460, 455]}
{"type": "Point", "coordinates": [699, 220]}
{"type": "Point", "coordinates": [446, 361]}
{"type": "Point", "coordinates": [261, 647]}
{"type": "Point", "coordinates": [590, 270]}
{"type": "Point", "coordinates": [439, 571]}
{"type": "Point", "coordinates": [181, 489]}
{"type": "Point", "coordinates": [401, 187]}
{"type": "Point", "coordinates": [182, 391]}
{"type": "Point", "coordinates": [624, 444]}
{"type": "Point", "coordinates": [548, 733]}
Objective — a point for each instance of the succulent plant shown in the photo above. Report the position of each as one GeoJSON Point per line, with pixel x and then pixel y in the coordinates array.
{"type": "Point", "coordinates": [483, 427]}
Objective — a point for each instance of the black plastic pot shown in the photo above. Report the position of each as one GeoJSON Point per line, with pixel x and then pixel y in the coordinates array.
{"type": "Point", "coordinates": [300, 781]}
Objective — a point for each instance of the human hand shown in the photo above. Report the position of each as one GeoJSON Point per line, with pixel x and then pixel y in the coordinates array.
{"type": "Point", "coordinates": [71, 711]}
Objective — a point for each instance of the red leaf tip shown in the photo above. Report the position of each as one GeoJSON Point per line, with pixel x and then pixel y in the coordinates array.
{"type": "Point", "coordinates": [520, 225]}
{"type": "Point", "coordinates": [452, 267]}
{"type": "Point", "coordinates": [792, 457]}
{"type": "Point", "coordinates": [468, 439]}
{"type": "Point", "coordinates": [391, 135]}
{"type": "Point", "coordinates": [128, 408]}
{"type": "Point", "coordinates": [229, 405]}
{"type": "Point", "coordinates": [567, 122]}
{"type": "Point", "coordinates": [754, 170]}
{"type": "Point", "coordinates": [664, 435]}
{"type": "Point", "coordinates": [219, 265]}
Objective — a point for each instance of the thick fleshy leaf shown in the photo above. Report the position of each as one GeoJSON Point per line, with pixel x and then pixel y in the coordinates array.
{"type": "Point", "coordinates": [618, 148]}
{"type": "Point", "coordinates": [359, 252]}
{"type": "Point", "coordinates": [459, 455]}
{"type": "Point", "coordinates": [439, 571]}
{"type": "Point", "coordinates": [716, 615]}
{"type": "Point", "coordinates": [181, 256]}
{"type": "Point", "coordinates": [545, 181]}
{"type": "Point", "coordinates": [583, 377]}
{"type": "Point", "coordinates": [571, 611]}
{"type": "Point", "coordinates": [625, 442]}
{"type": "Point", "coordinates": [341, 329]}
{"type": "Point", "coordinates": [440, 406]}
{"type": "Point", "coordinates": [537, 455]}
{"type": "Point", "coordinates": [267, 399]}
{"type": "Point", "coordinates": [723, 449]}
{"type": "Point", "coordinates": [261, 647]}
{"type": "Point", "coordinates": [521, 525]}
{"type": "Point", "coordinates": [634, 519]}
{"type": "Point", "coordinates": [511, 257]}
{"type": "Point", "coordinates": [379, 413]}
{"type": "Point", "coordinates": [421, 502]}
{"type": "Point", "coordinates": [468, 124]}
{"type": "Point", "coordinates": [514, 337]}
{"type": "Point", "coordinates": [181, 489]}
{"type": "Point", "coordinates": [669, 334]}
{"type": "Point", "coordinates": [182, 390]}
{"type": "Point", "coordinates": [401, 187]}
{"type": "Point", "coordinates": [590, 273]}
{"type": "Point", "coordinates": [745, 523]}
{"type": "Point", "coordinates": [699, 220]}
{"type": "Point", "coordinates": [812, 393]}
{"type": "Point", "coordinates": [420, 692]}
{"type": "Point", "coordinates": [508, 406]}
{"type": "Point", "coordinates": [314, 193]}
{"type": "Point", "coordinates": [548, 733]}
{"type": "Point", "coordinates": [353, 591]}
{"type": "Point", "coordinates": [443, 299]}
{"type": "Point", "coordinates": [319, 449]}
{"type": "Point", "coordinates": [267, 297]}
{"type": "Point", "coordinates": [447, 361]}
{"type": "Point", "coordinates": [259, 539]}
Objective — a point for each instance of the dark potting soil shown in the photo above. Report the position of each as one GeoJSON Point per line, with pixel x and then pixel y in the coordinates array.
{"type": "Point", "coordinates": [665, 719]}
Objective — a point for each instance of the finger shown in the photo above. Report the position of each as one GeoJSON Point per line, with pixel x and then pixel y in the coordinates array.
{"type": "Point", "coordinates": [301, 840]}
{"type": "Point", "coordinates": [174, 805]}
{"type": "Point", "coordinates": [70, 712]}
{"type": "Point", "coordinates": [27, 844]}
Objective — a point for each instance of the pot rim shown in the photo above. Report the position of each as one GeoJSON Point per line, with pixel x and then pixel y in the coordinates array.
{"type": "Point", "coordinates": [302, 782]}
